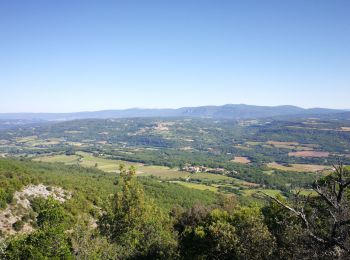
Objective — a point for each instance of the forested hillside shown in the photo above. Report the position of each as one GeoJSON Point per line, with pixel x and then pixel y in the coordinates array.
{"type": "Point", "coordinates": [85, 213]}
{"type": "Point", "coordinates": [229, 111]}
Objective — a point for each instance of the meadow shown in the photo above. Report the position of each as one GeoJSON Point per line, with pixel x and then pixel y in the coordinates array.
{"type": "Point", "coordinates": [300, 167]}
{"type": "Point", "coordinates": [217, 183]}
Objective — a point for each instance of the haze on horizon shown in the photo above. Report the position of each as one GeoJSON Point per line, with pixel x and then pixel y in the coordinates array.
{"type": "Point", "coordinates": [69, 56]}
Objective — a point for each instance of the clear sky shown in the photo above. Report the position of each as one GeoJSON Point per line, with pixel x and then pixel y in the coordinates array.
{"type": "Point", "coordinates": [75, 55]}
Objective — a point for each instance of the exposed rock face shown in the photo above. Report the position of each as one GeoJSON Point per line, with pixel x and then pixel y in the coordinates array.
{"type": "Point", "coordinates": [22, 206]}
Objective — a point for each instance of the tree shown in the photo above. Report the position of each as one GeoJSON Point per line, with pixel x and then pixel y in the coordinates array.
{"type": "Point", "coordinates": [134, 222]}
{"type": "Point", "coordinates": [87, 244]}
{"type": "Point", "coordinates": [219, 234]}
{"type": "Point", "coordinates": [255, 239]}
{"type": "Point", "coordinates": [51, 213]}
{"type": "Point", "coordinates": [48, 243]}
{"type": "Point", "coordinates": [287, 230]}
{"type": "Point", "coordinates": [325, 218]}
{"type": "Point", "coordinates": [215, 238]}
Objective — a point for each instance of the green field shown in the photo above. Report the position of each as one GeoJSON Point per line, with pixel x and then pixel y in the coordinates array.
{"type": "Point", "coordinates": [271, 192]}
{"type": "Point", "coordinates": [197, 186]}
{"type": "Point", "coordinates": [66, 159]}
{"type": "Point", "coordinates": [162, 172]}
{"type": "Point", "coordinates": [210, 176]}
{"type": "Point", "coordinates": [211, 182]}
{"type": "Point", "coordinates": [108, 165]}
{"type": "Point", "coordinates": [299, 167]}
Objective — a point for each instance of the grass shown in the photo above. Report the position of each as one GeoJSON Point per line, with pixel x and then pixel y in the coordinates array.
{"type": "Point", "coordinates": [88, 160]}
{"type": "Point", "coordinates": [298, 167]}
{"type": "Point", "coordinates": [73, 132]}
{"type": "Point", "coordinates": [288, 145]}
{"type": "Point", "coordinates": [66, 159]}
{"type": "Point", "coordinates": [162, 172]}
{"type": "Point", "coordinates": [78, 144]}
{"type": "Point", "coordinates": [107, 165]}
{"type": "Point", "coordinates": [210, 176]}
{"type": "Point", "coordinates": [271, 192]}
{"type": "Point", "coordinates": [197, 186]}
{"type": "Point", "coordinates": [241, 159]}
{"type": "Point", "coordinates": [39, 142]}
{"type": "Point", "coordinates": [309, 154]}
{"type": "Point", "coordinates": [253, 143]}
{"type": "Point", "coordinates": [276, 143]}
{"type": "Point", "coordinates": [304, 148]}
{"type": "Point", "coordinates": [305, 192]}
{"type": "Point", "coordinates": [26, 139]}
{"type": "Point", "coordinates": [269, 172]}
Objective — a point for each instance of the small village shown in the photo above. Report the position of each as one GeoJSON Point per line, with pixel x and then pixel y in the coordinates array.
{"type": "Point", "coordinates": [195, 169]}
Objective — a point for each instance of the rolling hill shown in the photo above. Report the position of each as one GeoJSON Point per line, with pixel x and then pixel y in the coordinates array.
{"type": "Point", "coordinates": [230, 111]}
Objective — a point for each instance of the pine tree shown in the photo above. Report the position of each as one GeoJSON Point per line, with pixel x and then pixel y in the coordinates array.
{"type": "Point", "coordinates": [135, 223]}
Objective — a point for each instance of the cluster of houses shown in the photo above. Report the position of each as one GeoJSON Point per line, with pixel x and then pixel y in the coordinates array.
{"type": "Point", "coordinates": [196, 169]}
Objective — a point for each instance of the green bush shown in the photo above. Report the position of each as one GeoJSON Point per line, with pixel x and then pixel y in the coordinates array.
{"type": "Point", "coordinates": [18, 225]}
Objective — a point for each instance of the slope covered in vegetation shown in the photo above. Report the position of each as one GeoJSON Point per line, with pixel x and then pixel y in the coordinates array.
{"type": "Point", "coordinates": [105, 216]}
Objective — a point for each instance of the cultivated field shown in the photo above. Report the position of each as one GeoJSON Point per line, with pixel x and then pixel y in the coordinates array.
{"type": "Point", "coordinates": [252, 192]}
{"type": "Point", "coordinates": [162, 172]}
{"type": "Point", "coordinates": [309, 154]}
{"type": "Point", "coordinates": [197, 186]}
{"type": "Point", "coordinates": [282, 143]}
{"type": "Point", "coordinates": [66, 159]}
{"type": "Point", "coordinates": [211, 182]}
{"type": "Point", "coordinates": [210, 176]}
{"type": "Point", "coordinates": [241, 159]}
{"type": "Point", "coordinates": [88, 160]}
{"type": "Point", "coordinates": [299, 167]}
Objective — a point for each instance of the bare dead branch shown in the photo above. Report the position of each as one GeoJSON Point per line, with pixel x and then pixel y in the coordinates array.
{"type": "Point", "coordinates": [299, 214]}
{"type": "Point", "coordinates": [328, 200]}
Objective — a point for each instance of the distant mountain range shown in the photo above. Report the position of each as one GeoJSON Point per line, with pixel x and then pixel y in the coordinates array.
{"type": "Point", "coordinates": [239, 111]}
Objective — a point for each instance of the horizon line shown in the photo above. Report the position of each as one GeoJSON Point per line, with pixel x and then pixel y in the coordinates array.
{"type": "Point", "coordinates": [173, 108]}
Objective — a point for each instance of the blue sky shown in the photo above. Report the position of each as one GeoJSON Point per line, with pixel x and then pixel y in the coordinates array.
{"type": "Point", "coordinates": [75, 55]}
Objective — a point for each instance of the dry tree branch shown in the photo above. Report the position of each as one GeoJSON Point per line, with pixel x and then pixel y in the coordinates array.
{"type": "Point", "coordinates": [300, 215]}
